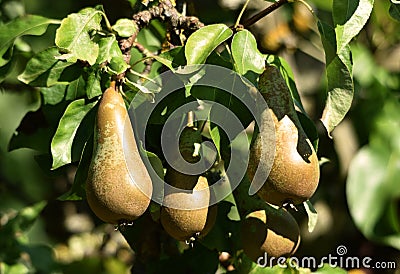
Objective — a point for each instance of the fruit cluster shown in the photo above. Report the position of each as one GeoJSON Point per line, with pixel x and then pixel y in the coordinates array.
{"type": "Point", "coordinates": [118, 197]}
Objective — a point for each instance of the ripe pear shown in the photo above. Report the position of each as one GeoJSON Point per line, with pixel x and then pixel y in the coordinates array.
{"type": "Point", "coordinates": [118, 186]}
{"type": "Point", "coordinates": [294, 174]}
{"type": "Point", "coordinates": [273, 232]}
{"type": "Point", "coordinates": [183, 223]}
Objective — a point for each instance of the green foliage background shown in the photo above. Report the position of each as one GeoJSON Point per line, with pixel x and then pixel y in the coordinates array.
{"type": "Point", "coordinates": [358, 199]}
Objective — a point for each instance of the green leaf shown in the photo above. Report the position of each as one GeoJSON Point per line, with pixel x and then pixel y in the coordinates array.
{"type": "Point", "coordinates": [172, 58]}
{"type": "Point", "coordinates": [226, 230]}
{"type": "Point", "coordinates": [93, 86]}
{"type": "Point", "coordinates": [155, 163]}
{"type": "Point", "coordinates": [5, 70]}
{"type": "Point", "coordinates": [245, 53]}
{"type": "Point", "coordinates": [43, 69]}
{"type": "Point", "coordinates": [14, 269]}
{"type": "Point", "coordinates": [61, 145]}
{"type": "Point", "coordinates": [125, 27]}
{"type": "Point", "coordinates": [27, 25]}
{"type": "Point", "coordinates": [312, 215]}
{"type": "Point", "coordinates": [76, 89]}
{"type": "Point", "coordinates": [25, 218]}
{"type": "Point", "coordinates": [156, 171]}
{"type": "Point", "coordinates": [370, 198]}
{"type": "Point", "coordinates": [54, 94]}
{"type": "Point", "coordinates": [203, 41]}
{"type": "Point", "coordinates": [110, 52]}
{"type": "Point", "coordinates": [215, 136]}
{"type": "Point", "coordinates": [349, 17]}
{"type": "Point", "coordinates": [394, 11]}
{"type": "Point", "coordinates": [328, 39]}
{"type": "Point", "coordinates": [340, 94]}
{"type": "Point", "coordinates": [74, 36]}
{"type": "Point", "coordinates": [340, 90]}
{"type": "Point", "coordinates": [373, 200]}
{"type": "Point", "coordinates": [77, 191]}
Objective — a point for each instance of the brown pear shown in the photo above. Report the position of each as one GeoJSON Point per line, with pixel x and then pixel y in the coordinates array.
{"type": "Point", "coordinates": [294, 174]}
{"type": "Point", "coordinates": [118, 187]}
{"type": "Point", "coordinates": [275, 233]}
{"type": "Point", "coordinates": [183, 223]}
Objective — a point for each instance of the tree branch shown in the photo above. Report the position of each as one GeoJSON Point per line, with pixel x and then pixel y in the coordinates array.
{"type": "Point", "coordinates": [264, 13]}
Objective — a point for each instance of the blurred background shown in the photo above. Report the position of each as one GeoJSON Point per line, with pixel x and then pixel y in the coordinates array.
{"type": "Point", "coordinates": [358, 199]}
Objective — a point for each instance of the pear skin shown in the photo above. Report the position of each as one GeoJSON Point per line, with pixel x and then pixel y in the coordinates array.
{"type": "Point", "coordinates": [294, 175]}
{"type": "Point", "coordinates": [275, 233]}
{"type": "Point", "coordinates": [184, 224]}
{"type": "Point", "coordinates": [113, 192]}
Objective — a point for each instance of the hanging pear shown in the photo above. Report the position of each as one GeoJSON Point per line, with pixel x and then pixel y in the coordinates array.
{"type": "Point", "coordinates": [118, 186]}
{"type": "Point", "coordinates": [294, 174]}
{"type": "Point", "coordinates": [275, 233]}
{"type": "Point", "coordinates": [188, 224]}
{"type": "Point", "coordinates": [179, 220]}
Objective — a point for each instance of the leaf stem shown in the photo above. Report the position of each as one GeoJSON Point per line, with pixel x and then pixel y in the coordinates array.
{"type": "Point", "coordinates": [264, 13]}
{"type": "Point", "coordinates": [108, 25]}
{"type": "Point", "coordinates": [241, 14]}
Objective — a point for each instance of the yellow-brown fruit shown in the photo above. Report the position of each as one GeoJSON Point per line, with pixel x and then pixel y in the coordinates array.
{"type": "Point", "coordinates": [294, 174]}
{"type": "Point", "coordinates": [113, 193]}
{"type": "Point", "coordinates": [275, 233]}
{"type": "Point", "coordinates": [183, 224]}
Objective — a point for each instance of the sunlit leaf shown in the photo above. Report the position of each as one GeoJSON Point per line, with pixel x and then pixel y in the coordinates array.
{"type": "Point", "coordinates": [349, 17]}
{"type": "Point", "coordinates": [245, 53]}
{"type": "Point", "coordinates": [340, 90]}
{"type": "Point", "coordinates": [43, 69]}
{"type": "Point", "coordinates": [61, 145]}
{"type": "Point", "coordinates": [110, 52]}
{"type": "Point", "coordinates": [172, 58]}
{"type": "Point", "coordinates": [125, 27]}
{"type": "Point", "coordinates": [203, 41]}
{"type": "Point", "coordinates": [26, 25]}
{"type": "Point", "coordinates": [312, 215]}
{"type": "Point", "coordinates": [74, 36]}
{"type": "Point", "coordinates": [340, 94]}
{"type": "Point", "coordinates": [14, 269]}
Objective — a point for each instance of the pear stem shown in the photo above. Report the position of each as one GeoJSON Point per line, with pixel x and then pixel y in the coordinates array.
{"type": "Point", "coordinates": [113, 84]}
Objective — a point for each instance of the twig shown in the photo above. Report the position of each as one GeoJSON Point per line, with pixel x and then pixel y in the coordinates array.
{"type": "Point", "coordinates": [264, 13]}
{"type": "Point", "coordinates": [177, 24]}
